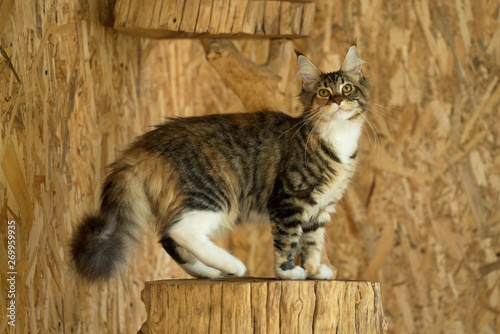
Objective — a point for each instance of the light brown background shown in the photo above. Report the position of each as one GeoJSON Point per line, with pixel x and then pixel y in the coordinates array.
{"type": "Point", "coordinates": [422, 215]}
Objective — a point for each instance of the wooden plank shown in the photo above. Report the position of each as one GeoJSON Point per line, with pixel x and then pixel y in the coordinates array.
{"type": "Point", "coordinates": [190, 15]}
{"type": "Point", "coordinates": [155, 14]}
{"type": "Point", "coordinates": [215, 18]}
{"type": "Point", "coordinates": [175, 14]}
{"type": "Point", "coordinates": [203, 21]}
{"type": "Point", "coordinates": [167, 8]}
{"type": "Point", "coordinates": [215, 15]}
{"type": "Point", "coordinates": [290, 18]}
{"type": "Point", "coordinates": [271, 21]}
{"type": "Point", "coordinates": [253, 17]}
{"type": "Point", "coordinates": [227, 22]}
{"type": "Point", "coordinates": [307, 19]}
{"type": "Point", "coordinates": [239, 17]}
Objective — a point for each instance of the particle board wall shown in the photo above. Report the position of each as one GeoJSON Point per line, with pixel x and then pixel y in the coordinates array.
{"type": "Point", "coordinates": [421, 216]}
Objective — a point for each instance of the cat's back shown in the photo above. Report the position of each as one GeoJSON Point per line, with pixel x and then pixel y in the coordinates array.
{"type": "Point", "coordinates": [269, 122]}
{"type": "Point", "coordinates": [237, 131]}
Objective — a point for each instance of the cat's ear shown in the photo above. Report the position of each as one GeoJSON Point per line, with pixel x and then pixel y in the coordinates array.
{"type": "Point", "coordinates": [352, 62]}
{"type": "Point", "coordinates": [309, 73]}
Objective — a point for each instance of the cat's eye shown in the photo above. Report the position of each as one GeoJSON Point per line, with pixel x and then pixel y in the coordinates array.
{"type": "Point", "coordinates": [324, 92]}
{"type": "Point", "coordinates": [347, 88]}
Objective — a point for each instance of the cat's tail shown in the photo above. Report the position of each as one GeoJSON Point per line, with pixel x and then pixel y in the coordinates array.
{"type": "Point", "coordinates": [103, 243]}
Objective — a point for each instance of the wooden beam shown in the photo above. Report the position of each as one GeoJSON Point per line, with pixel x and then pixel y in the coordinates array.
{"type": "Point", "coordinates": [215, 18]}
{"type": "Point", "coordinates": [256, 305]}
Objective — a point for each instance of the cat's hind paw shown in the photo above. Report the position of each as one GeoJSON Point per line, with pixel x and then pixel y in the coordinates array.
{"type": "Point", "coordinates": [200, 270]}
{"type": "Point", "coordinates": [234, 269]}
{"type": "Point", "coordinates": [294, 273]}
{"type": "Point", "coordinates": [322, 273]}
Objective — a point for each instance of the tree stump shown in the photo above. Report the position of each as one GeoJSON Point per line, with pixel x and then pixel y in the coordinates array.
{"type": "Point", "coordinates": [253, 305]}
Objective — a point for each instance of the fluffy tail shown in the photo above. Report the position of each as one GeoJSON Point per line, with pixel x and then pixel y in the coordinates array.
{"type": "Point", "coordinates": [103, 243]}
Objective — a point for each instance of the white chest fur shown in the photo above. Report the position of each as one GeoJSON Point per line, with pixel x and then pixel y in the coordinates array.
{"type": "Point", "coordinates": [344, 136]}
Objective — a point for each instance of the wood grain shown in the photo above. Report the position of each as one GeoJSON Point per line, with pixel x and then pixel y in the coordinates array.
{"type": "Point", "coordinates": [217, 18]}
{"type": "Point", "coordinates": [256, 305]}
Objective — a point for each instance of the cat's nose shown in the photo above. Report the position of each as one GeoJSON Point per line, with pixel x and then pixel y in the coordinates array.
{"type": "Point", "coordinates": [337, 99]}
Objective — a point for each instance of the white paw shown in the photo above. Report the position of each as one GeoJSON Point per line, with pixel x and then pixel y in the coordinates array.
{"type": "Point", "coordinates": [295, 273]}
{"type": "Point", "coordinates": [235, 268]}
{"type": "Point", "coordinates": [324, 273]}
{"type": "Point", "coordinates": [201, 270]}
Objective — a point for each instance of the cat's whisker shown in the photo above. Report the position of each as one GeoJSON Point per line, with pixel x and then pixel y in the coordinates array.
{"type": "Point", "coordinates": [323, 116]}
{"type": "Point", "coordinates": [386, 130]}
{"type": "Point", "coordinates": [300, 124]}
{"type": "Point", "coordinates": [368, 134]}
{"type": "Point", "coordinates": [373, 112]}
{"type": "Point", "coordinates": [309, 119]}
{"type": "Point", "coordinates": [375, 136]}
{"type": "Point", "coordinates": [291, 128]}
{"type": "Point", "coordinates": [382, 112]}
{"type": "Point", "coordinates": [305, 122]}
{"type": "Point", "coordinates": [311, 132]}
{"type": "Point", "coordinates": [380, 96]}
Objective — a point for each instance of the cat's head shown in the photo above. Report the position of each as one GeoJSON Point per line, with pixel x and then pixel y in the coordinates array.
{"type": "Point", "coordinates": [335, 96]}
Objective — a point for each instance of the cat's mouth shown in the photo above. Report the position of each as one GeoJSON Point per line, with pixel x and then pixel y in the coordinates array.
{"type": "Point", "coordinates": [339, 108]}
{"type": "Point", "coordinates": [339, 113]}
{"type": "Point", "coordinates": [334, 112]}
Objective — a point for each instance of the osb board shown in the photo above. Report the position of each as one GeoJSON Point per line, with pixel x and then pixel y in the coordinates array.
{"type": "Point", "coordinates": [422, 215]}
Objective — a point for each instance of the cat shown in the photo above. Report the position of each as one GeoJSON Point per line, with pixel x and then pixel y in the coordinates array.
{"type": "Point", "coordinates": [199, 176]}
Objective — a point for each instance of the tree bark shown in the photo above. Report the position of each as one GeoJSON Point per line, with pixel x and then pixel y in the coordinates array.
{"type": "Point", "coordinates": [252, 305]}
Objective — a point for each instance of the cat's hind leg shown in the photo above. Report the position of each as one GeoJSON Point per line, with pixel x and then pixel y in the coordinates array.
{"type": "Point", "coordinates": [190, 263]}
{"type": "Point", "coordinates": [193, 232]}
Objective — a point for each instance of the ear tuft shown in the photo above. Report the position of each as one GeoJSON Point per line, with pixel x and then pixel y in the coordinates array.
{"type": "Point", "coordinates": [309, 73]}
{"type": "Point", "coordinates": [352, 62]}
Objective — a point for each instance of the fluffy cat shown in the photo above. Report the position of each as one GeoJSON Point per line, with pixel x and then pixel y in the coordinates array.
{"type": "Point", "coordinates": [195, 177]}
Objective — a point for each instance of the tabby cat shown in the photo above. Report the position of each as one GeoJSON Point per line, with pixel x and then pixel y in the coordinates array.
{"type": "Point", "coordinates": [196, 177]}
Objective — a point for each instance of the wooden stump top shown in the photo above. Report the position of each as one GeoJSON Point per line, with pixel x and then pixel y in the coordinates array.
{"type": "Point", "coordinates": [263, 305]}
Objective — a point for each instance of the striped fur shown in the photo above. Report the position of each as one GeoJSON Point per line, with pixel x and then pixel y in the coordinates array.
{"type": "Point", "coordinates": [196, 177]}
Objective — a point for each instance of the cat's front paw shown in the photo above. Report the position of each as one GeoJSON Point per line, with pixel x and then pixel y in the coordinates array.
{"type": "Point", "coordinates": [323, 272]}
{"type": "Point", "coordinates": [294, 273]}
{"type": "Point", "coordinates": [234, 269]}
